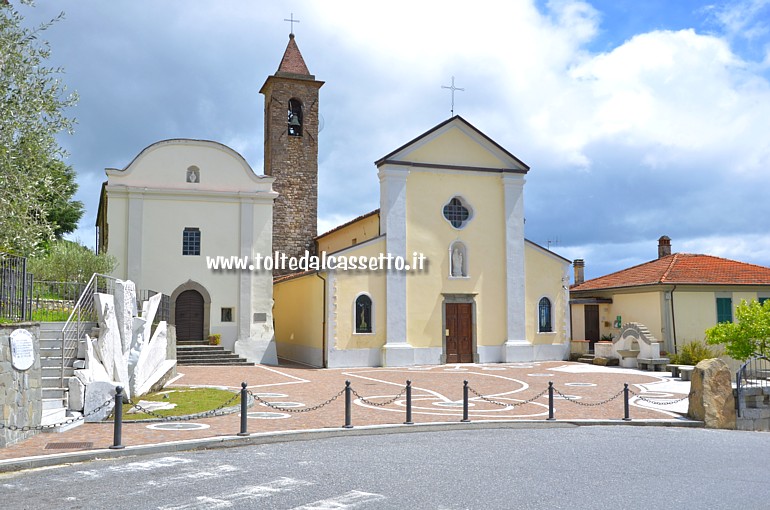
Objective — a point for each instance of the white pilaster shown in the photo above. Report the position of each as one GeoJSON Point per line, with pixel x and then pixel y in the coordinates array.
{"type": "Point", "coordinates": [516, 344]}
{"type": "Point", "coordinates": [396, 352]}
{"type": "Point", "coordinates": [134, 242]}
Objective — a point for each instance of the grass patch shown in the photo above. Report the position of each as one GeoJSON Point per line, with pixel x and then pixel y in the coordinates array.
{"type": "Point", "coordinates": [42, 315]}
{"type": "Point", "coordinates": [187, 400]}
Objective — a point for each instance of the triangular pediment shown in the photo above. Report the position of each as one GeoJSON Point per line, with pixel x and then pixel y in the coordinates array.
{"type": "Point", "coordinates": [456, 143]}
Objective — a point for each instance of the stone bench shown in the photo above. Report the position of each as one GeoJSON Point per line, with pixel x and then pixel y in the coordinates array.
{"type": "Point", "coordinates": [674, 369]}
{"type": "Point", "coordinates": [685, 372]}
{"type": "Point", "coordinates": [652, 364]}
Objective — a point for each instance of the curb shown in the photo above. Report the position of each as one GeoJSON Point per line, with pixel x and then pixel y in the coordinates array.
{"type": "Point", "coordinates": [259, 438]}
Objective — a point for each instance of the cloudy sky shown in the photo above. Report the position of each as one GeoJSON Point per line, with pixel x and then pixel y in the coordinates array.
{"type": "Point", "coordinates": [638, 118]}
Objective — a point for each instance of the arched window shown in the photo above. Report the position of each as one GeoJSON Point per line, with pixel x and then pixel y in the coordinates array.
{"type": "Point", "coordinates": [363, 314]}
{"type": "Point", "coordinates": [295, 118]}
{"type": "Point", "coordinates": [544, 316]}
{"type": "Point", "coordinates": [457, 212]}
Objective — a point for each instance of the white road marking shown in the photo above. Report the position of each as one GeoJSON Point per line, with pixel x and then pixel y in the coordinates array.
{"type": "Point", "coordinates": [163, 462]}
{"type": "Point", "coordinates": [134, 467]}
{"type": "Point", "coordinates": [252, 492]}
{"type": "Point", "coordinates": [350, 499]}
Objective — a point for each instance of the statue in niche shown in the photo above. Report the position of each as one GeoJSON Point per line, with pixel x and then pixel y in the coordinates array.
{"type": "Point", "coordinates": [193, 175]}
{"type": "Point", "coordinates": [458, 257]}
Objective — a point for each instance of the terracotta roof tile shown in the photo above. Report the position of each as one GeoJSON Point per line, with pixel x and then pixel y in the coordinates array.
{"type": "Point", "coordinates": [682, 268]}
{"type": "Point", "coordinates": [292, 61]}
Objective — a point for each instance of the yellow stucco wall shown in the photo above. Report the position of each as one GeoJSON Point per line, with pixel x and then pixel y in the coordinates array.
{"type": "Point", "coordinates": [543, 279]}
{"type": "Point", "coordinates": [348, 285]}
{"type": "Point", "coordinates": [298, 312]}
{"type": "Point", "coordinates": [695, 312]}
{"type": "Point", "coordinates": [577, 316]}
{"type": "Point", "coordinates": [358, 232]}
{"type": "Point", "coordinates": [429, 233]}
{"type": "Point", "coordinates": [643, 307]}
{"type": "Point", "coordinates": [454, 147]}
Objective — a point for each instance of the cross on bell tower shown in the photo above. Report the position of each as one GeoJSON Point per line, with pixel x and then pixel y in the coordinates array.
{"type": "Point", "coordinates": [291, 151]}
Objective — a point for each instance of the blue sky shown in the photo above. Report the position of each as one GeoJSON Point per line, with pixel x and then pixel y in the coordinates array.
{"type": "Point", "coordinates": [638, 118]}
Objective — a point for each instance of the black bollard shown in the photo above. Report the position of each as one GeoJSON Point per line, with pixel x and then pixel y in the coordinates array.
{"type": "Point", "coordinates": [465, 402]}
{"type": "Point", "coordinates": [550, 402]}
{"type": "Point", "coordinates": [348, 407]}
{"type": "Point", "coordinates": [408, 404]}
{"type": "Point", "coordinates": [626, 409]}
{"type": "Point", "coordinates": [118, 433]}
{"type": "Point", "coordinates": [244, 410]}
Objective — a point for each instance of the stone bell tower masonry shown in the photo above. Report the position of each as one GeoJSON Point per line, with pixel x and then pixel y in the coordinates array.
{"type": "Point", "coordinates": [291, 152]}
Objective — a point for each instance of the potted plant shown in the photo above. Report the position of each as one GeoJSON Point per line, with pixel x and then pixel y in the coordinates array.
{"type": "Point", "coordinates": [214, 339]}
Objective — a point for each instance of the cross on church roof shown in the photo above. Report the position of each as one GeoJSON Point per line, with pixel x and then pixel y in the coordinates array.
{"type": "Point", "coordinates": [292, 21]}
{"type": "Point", "coordinates": [452, 88]}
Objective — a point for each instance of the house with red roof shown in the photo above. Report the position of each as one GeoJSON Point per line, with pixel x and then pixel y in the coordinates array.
{"type": "Point", "coordinates": [677, 296]}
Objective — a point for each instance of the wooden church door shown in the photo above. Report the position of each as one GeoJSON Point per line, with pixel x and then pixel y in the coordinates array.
{"type": "Point", "coordinates": [459, 334]}
{"type": "Point", "coordinates": [189, 315]}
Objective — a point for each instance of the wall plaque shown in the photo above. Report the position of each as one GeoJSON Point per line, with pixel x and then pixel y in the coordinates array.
{"type": "Point", "coordinates": [22, 349]}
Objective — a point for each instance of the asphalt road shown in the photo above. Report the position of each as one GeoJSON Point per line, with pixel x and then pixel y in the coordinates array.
{"type": "Point", "coordinates": [576, 467]}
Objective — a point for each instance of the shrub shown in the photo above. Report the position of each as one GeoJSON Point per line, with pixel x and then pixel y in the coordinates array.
{"type": "Point", "coordinates": [68, 261]}
{"type": "Point", "coordinates": [693, 352]}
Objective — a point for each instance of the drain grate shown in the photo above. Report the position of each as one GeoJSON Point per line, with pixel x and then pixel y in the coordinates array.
{"type": "Point", "coordinates": [68, 446]}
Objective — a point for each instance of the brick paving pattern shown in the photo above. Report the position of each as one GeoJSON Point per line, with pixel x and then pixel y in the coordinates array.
{"type": "Point", "coordinates": [436, 397]}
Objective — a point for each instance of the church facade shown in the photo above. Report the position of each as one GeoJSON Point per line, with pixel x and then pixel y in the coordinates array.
{"type": "Point", "coordinates": [178, 204]}
{"type": "Point", "coordinates": [443, 273]}
{"type": "Point", "coordinates": [470, 287]}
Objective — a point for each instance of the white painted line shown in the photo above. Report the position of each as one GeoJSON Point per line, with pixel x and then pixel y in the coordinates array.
{"type": "Point", "coordinates": [350, 499]}
{"type": "Point", "coordinates": [150, 465]}
{"type": "Point", "coordinates": [248, 493]}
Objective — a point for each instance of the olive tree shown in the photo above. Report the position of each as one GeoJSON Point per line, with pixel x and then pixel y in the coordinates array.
{"type": "Point", "coordinates": [33, 101]}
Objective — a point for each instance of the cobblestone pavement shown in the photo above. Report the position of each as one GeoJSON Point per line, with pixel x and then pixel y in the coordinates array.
{"type": "Point", "coordinates": [437, 393]}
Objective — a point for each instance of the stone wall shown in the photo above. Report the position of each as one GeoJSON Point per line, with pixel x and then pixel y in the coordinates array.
{"type": "Point", "coordinates": [293, 162]}
{"type": "Point", "coordinates": [755, 409]}
{"type": "Point", "coordinates": [21, 392]}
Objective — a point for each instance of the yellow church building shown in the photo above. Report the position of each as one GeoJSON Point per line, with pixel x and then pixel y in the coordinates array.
{"type": "Point", "coordinates": [469, 287]}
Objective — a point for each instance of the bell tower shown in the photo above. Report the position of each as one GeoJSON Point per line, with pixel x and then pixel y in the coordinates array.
{"type": "Point", "coordinates": [291, 152]}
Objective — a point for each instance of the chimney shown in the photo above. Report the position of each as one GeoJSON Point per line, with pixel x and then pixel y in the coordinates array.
{"type": "Point", "coordinates": [664, 246]}
{"type": "Point", "coordinates": [579, 265]}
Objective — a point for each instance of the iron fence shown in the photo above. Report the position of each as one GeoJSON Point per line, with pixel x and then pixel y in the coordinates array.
{"type": "Point", "coordinates": [754, 373]}
{"type": "Point", "coordinates": [15, 288]}
{"type": "Point", "coordinates": [54, 301]}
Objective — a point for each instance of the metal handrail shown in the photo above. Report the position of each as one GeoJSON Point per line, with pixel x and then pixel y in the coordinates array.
{"type": "Point", "coordinates": [740, 376]}
{"type": "Point", "coordinates": [77, 316]}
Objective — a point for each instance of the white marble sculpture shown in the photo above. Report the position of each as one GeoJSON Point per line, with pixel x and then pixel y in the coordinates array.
{"type": "Point", "coordinates": [126, 352]}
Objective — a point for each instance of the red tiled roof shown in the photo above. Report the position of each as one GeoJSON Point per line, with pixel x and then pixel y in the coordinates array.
{"type": "Point", "coordinates": [292, 61]}
{"type": "Point", "coordinates": [682, 268]}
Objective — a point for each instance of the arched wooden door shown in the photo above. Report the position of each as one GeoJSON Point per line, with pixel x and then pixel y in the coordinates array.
{"type": "Point", "coordinates": [189, 315]}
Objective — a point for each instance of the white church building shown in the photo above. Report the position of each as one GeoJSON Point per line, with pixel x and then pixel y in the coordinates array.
{"type": "Point", "coordinates": [176, 204]}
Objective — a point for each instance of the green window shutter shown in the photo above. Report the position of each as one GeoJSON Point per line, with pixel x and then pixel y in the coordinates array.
{"type": "Point", "coordinates": [724, 310]}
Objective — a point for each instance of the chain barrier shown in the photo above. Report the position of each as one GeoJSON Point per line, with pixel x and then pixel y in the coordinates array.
{"type": "Point", "coordinates": [572, 399]}
{"type": "Point", "coordinates": [666, 403]}
{"type": "Point", "coordinates": [293, 410]}
{"type": "Point", "coordinates": [206, 414]}
{"type": "Point", "coordinates": [378, 404]}
{"type": "Point", "coordinates": [26, 428]}
{"type": "Point", "coordinates": [513, 404]}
